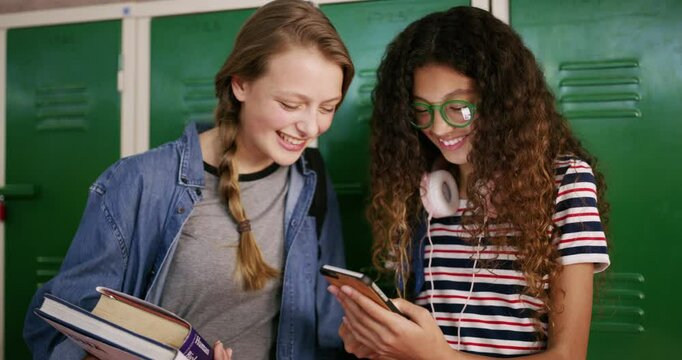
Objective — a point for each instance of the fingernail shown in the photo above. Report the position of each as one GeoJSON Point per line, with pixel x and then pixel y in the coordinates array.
{"type": "Point", "coordinates": [347, 290]}
{"type": "Point", "coordinates": [332, 289]}
{"type": "Point", "coordinates": [217, 342]}
{"type": "Point", "coordinates": [229, 351]}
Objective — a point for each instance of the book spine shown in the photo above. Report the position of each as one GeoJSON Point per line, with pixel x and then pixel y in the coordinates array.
{"type": "Point", "coordinates": [196, 348]}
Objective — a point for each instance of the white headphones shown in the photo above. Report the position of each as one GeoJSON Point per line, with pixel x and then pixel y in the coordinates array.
{"type": "Point", "coordinates": [440, 196]}
{"type": "Point", "coordinates": [439, 193]}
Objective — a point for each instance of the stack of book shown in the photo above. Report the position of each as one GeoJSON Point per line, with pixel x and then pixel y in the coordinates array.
{"type": "Point", "coordinates": [125, 327]}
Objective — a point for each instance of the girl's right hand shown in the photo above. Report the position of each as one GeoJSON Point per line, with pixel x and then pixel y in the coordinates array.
{"type": "Point", "coordinates": [386, 335]}
{"type": "Point", "coordinates": [220, 352]}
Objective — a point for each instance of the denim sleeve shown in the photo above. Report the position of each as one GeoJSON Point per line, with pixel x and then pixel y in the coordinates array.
{"type": "Point", "coordinates": [331, 251]}
{"type": "Point", "coordinates": [95, 258]}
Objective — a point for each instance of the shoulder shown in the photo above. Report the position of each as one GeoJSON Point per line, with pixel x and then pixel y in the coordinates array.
{"type": "Point", "coordinates": [565, 164]}
{"type": "Point", "coordinates": [312, 159]}
{"type": "Point", "coordinates": [149, 167]}
{"type": "Point", "coordinates": [570, 169]}
{"type": "Point", "coordinates": [171, 161]}
{"type": "Point", "coordinates": [575, 181]}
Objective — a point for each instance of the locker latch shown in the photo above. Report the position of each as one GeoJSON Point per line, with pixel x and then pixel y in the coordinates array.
{"type": "Point", "coordinates": [2, 208]}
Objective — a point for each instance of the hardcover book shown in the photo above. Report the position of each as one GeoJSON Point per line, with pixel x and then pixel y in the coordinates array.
{"type": "Point", "coordinates": [125, 327]}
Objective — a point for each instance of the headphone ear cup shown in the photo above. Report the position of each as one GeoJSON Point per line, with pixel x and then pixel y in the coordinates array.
{"type": "Point", "coordinates": [439, 193]}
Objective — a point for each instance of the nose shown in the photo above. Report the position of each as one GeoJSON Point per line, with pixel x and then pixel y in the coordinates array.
{"type": "Point", "coordinates": [308, 124]}
{"type": "Point", "coordinates": [439, 127]}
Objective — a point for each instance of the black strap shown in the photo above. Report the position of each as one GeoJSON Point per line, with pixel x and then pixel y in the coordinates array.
{"type": "Point", "coordinates": [318, 208]}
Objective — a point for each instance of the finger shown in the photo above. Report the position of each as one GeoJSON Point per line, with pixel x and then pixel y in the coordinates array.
{"type": "Point", "coordinates": [414, 312]}
{"type": "Point", "coordinates": [355, 315]}
{"type": "Point", "coordinates": [361, 323]}
{"type": "Point", "coordinates": [343, 329]}
{"type": "Point", "coordinates": [219, 352]}
{"type": "Point", "coordinates": [374, 310]}
{"type": "Point", "coordinates": [351, 344]}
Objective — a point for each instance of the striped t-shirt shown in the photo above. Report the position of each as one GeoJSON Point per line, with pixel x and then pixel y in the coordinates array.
{"type": "Point", "coordinates": [497, 319]}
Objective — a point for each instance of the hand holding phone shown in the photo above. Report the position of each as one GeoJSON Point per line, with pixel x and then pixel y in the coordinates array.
{"type": "Point", "coordinates": [360, 282]}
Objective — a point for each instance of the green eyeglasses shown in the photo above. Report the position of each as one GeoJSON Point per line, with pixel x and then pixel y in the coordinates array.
{"type": "Point", "coordinates": [456, 113]}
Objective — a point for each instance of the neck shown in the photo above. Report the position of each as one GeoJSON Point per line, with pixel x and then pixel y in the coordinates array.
{"type": "Point", "coordinates": [249, 160]}
{"type": "Point", "coordinates": [464, 171]}
{"type": "Point", "coordinates": [245, 164]}
{"type": "Point", "coordinates": [210, 143]}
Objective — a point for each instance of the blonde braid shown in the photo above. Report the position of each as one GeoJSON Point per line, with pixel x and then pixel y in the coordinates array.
{"type": "Point", "coordinates": [254, 270]}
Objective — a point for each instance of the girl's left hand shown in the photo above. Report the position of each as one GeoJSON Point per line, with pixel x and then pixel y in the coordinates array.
{"type": "Point", "coordinates": [220, 352]}
{"type": "Point", "coordinates": [383, 334]}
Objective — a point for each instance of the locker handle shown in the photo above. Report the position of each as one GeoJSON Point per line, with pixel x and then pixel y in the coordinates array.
{"type": "Point", "coordinates": [18, 191]}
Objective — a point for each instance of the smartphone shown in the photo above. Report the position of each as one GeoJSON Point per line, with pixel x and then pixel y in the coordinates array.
{"type": "Point", "coordinates": [338, 276]}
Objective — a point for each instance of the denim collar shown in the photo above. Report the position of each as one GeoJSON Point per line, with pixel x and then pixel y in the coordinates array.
{"type": "Point", "coordinates": [191, 162]}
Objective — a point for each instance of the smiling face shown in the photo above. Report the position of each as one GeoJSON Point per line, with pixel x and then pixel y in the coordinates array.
{"type": "Point", "coordinates": [291, 104]}
{"type": "Point", "coordinates": [435, 84]}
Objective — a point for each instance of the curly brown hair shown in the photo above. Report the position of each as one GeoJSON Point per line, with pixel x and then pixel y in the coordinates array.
{"type": "Point", "coordinates": [516, 139]}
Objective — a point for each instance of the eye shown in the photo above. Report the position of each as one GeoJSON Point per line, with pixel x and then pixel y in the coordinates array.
{"type": "Point", "coordinates": [420, 109]}
{"type": "Point", "coordinates": [327, 110]}
{"type": "Point", "coordinates": [455, 106]}
{"type": "Point", "coordinates": [289, 106]}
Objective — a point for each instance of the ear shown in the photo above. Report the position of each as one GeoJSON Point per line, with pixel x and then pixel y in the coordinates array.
{"type": "Point", "coordinates": [239, 87]}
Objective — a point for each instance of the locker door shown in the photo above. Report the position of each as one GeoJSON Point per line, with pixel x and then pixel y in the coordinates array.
{"type": "Point", "coordinates": [615, 68]}
{"type": "Point", "coordinates": [186, 53]}
{"type": "Point", "coordinates": [62, 130]}
{"type": "Point", "coordinates": [366, 28]}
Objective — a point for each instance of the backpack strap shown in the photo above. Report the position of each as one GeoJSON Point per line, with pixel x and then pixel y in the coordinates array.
{"type": "Point", "coordinates": [318, 207]}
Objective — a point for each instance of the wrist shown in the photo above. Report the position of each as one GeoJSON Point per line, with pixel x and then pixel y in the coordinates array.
{"type": "Point", "coordinates": [445, 352]}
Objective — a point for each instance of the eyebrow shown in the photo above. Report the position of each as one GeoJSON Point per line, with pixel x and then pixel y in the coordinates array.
{"type": "Point", "coordinates": [303, 97]}
{"type": "Point", "coordinates": [450, 94]}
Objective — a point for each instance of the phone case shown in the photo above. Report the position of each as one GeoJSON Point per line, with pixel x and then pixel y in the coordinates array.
{"type": "Point", "coordinates": [338, 276]}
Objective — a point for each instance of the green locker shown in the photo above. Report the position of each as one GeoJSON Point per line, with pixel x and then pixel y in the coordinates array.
{"type": "Point", "coordinates": [186, 53]}
{"type": "Point", "coordinates": [615, 68]}
{"type": "Point", "coordinates": [366, 28]}
{"type": "Point", "coordinates": [63, 128]}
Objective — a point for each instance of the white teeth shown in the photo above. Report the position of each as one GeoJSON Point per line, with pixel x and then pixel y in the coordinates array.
{"type": "Point", "coordinates": [291, 140]}
{"type": "Point", "coordinates": [452, 141]}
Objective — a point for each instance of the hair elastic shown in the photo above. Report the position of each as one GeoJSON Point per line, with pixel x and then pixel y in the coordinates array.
{"type": "Point", "coordinates": [244, 226]}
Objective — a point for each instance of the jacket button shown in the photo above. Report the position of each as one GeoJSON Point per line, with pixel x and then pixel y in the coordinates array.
{"type": "Point", "coordinates": [198, 191]}
{"type": "Point", "coordinates": [181, 210]}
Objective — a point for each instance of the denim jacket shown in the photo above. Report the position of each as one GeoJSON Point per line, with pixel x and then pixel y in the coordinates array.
{"type": "Point", "coordinates": [130, 229]}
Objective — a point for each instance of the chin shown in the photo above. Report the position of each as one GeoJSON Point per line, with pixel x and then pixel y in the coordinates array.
{"type": "Point", "coordinates": [286, 160]}
{"type": "Point", "coordinates": [457, 159]}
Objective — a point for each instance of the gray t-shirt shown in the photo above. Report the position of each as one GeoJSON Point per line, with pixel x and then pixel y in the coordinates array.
{"type": "Point", "coordinates": [203, 286]}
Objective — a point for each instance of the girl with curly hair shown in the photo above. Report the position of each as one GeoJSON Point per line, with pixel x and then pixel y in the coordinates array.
{"type": "Point", "coordinates": [506, 270]}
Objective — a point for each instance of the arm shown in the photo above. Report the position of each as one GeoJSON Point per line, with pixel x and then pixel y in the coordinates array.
{"type": "Point", "coordinates": [95, 257]}
{"type": "Point", "coordinates": [391, 336]}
